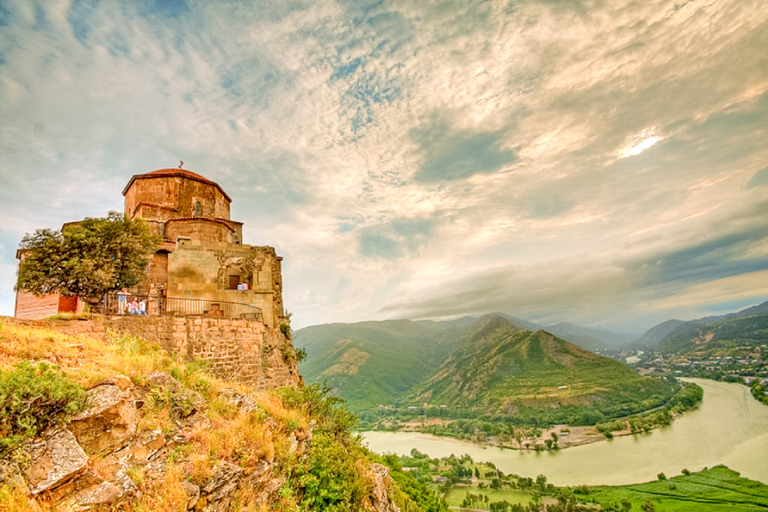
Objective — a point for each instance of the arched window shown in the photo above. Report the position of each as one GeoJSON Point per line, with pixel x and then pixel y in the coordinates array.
{"type": "Point", "coordinates": [197, 209]}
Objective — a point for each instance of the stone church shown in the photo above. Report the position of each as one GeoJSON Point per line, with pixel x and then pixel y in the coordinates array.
{"type": "Point", "coordinates": [202, 259]}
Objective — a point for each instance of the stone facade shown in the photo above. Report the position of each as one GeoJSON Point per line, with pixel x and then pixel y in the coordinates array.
{"type": "Point", "coordinates": [212, 270]}
{"type": "Point", "coordinates": [202, 256]}
{"type": "Point", "coordinates": [174, 193]}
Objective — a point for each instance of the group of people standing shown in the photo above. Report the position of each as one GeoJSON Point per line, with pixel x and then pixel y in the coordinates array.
{"type": "Point", "coordinates": [134, 307]}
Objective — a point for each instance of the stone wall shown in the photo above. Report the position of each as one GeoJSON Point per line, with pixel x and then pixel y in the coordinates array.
{"type": "Point", "coordinates": [201, 270]}
{"type": "Point", "coordinates": [237, 349]}
{"type": "Point", "coordinates": [177, 192]}
{"type": "Point", "coordinates": [205, 230]}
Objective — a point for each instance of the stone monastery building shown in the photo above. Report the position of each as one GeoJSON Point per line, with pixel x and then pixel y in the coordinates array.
{"type": "Point", "coordinates": [202, 256]}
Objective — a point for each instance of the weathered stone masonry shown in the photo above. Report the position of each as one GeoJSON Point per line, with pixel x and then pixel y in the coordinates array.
{"type": "Point", "coordinates": [202, 258]}
{"type": "Point", "coordinates": [237, 349]}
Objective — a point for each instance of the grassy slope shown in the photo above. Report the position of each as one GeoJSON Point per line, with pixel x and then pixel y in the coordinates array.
{"type": "Point", "coordinates": [337, 464]}
{"type": "Point", "coordinates": [718, 489]}
{"type": "Point", "coordinates": [372, 363]}
{"type": "Point", "coordinates": [499, 366]}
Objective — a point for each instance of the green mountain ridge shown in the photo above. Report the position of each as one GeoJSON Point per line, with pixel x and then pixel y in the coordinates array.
{"type": "Point", "coordinates": [372, 363]}
{"type": "Point", "coordinates": [500, 370]}
{"type": "Point", "coordinates": [722, 333]}
{"type": "Point", "coordinates": [673, 335]}
{"type": "Point", "coordinates": [492, 368]}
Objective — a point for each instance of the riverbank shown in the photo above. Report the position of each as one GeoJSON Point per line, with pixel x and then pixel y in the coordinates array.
{"type": "Point", "coordinates": [729, 427]}
{"type": "Point", "coordinates": [503, 433]}
{"type": "Point", "coordinates": [563, 435]}
{"type": "Point", "coordinates": [559, 436]}
{"type": "Point", "coordinates": [467, 485]}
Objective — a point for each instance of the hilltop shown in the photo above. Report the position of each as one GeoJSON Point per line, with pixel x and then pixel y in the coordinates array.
{"type": "Point", "coordinates": [500, 370]}
{"type": "Point", "coordinates": [475, 378]}
{"type": "Point", "coordinates": [381, 362]}
{"type": "Point", "coordinates": [677, 335]}
{"type": "Point", "coordinates": [711, 336]}
{"type": "Point", "coordinates": [372, 363]}
{"type": "Point", "coordinates": [121, 424]}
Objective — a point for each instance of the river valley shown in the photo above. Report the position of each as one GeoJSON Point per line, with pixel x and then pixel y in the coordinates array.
{"type": "Point", "coordinates": [730, 427]}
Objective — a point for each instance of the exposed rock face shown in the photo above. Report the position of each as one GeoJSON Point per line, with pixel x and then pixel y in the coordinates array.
{"type": "Point", "coordinates": [104, 456]}
{"type": "Point", "coordinates": [108, 422]}
{"type": "Point", "coordinates": [381, 489]}
{"type": "Point", "coordinates": [56, 459]}
{"type": "Point", "coordinates": [59, 460]}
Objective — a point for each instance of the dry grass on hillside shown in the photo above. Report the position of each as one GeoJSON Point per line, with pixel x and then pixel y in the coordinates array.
{"type": "Point", "coordinates": [243, 438]}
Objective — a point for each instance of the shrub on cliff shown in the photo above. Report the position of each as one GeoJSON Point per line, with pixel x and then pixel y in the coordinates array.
{"type": "Point", "coordinates": [33, 397]}
{"type": "Point", "coordinates": [331, 477]}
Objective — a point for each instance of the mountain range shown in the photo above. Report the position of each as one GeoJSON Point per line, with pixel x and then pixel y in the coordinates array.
{"type": "Point", "coordinates": [486, 367]}
{"type": "Point", "coordinates": [747, 327]}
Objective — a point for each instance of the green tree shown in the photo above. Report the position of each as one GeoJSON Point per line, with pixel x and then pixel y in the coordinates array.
{"type": "Point", "coordinates": [541, 482]}
{"type": "Point", "coordinates": [86, 259]}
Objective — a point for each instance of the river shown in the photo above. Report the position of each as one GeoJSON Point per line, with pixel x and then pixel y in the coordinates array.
{"type": "Point", "coordinates": [729, 427]}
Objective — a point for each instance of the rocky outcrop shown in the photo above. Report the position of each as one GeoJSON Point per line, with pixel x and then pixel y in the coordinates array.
{"type": "Point", "coordinates": [115, 451]}
{"type": "Point", "coordinates": [382, 486]}
{"type": "Point", "coordinates": [109, 421]}
{"type": "Point", "coordinates": [56, 458]}
{"type": "Point", "coordinates": [89, 464]}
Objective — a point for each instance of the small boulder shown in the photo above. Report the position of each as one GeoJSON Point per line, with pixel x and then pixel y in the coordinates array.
{"type": "Point", "coordinates": [95, 496]}
{"type": "Point", "coordinates": [193, 494]}
{"type": "Point", "coordinates": [120, 381]}
{"type": "Point", "coordinates": [109, 422]}
{"type": "Point", "coordinates": [146, 445]}
{"type": "Point", "coordinates": [56, 458]}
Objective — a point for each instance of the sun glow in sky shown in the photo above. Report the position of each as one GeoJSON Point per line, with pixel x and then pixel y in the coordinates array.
{"type": "Point", "coordinates": [647, 139]}
{"type": "Point", "coordinates": [603, 163]}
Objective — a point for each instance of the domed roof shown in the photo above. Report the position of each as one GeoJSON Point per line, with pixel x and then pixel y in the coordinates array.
{"type": "Point", "coordinates": [181, 173]}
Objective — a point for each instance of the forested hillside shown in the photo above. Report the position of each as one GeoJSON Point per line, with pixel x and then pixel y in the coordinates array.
{"type": "Point", "coordinates": [492, 368]}
{"type": "Point", "coordinates": [502, 371]}
{"type": "Point", "coordinates": [374, 363]}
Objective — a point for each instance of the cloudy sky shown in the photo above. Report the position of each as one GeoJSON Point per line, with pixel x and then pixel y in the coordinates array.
{"type": "Point", "coordinates": [604, 163]}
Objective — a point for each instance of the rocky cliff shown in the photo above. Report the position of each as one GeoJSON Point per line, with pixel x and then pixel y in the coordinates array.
{"type": "Point", "coordinates": [157, 432]}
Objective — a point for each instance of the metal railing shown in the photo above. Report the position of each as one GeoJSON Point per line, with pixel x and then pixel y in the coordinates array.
{"type": "Point", "coordinates": [177, 306]}
{"type": "Point", "coordinates": [209, 307]}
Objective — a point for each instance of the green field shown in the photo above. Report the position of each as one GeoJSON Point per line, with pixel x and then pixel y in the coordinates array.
{"type": "Point", "coordinates": [460, 479]}
{"type": "Point", "coordinates": [456, 495]}
{"type": "Point", "coordinates": [718, 489]}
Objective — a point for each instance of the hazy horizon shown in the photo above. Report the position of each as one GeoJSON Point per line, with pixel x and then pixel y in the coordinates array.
{"type": "Point", "coordinates": [604, 165]}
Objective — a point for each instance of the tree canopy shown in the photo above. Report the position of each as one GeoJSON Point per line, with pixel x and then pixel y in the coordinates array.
{"type": "Point", "coordinates": [87, 258]}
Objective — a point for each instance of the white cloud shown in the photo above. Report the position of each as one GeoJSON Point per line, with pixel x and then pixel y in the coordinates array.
{"type": "Point", "coordinates": [639, 143]}
{"type": "Point", "coordinates": [309, 119]}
